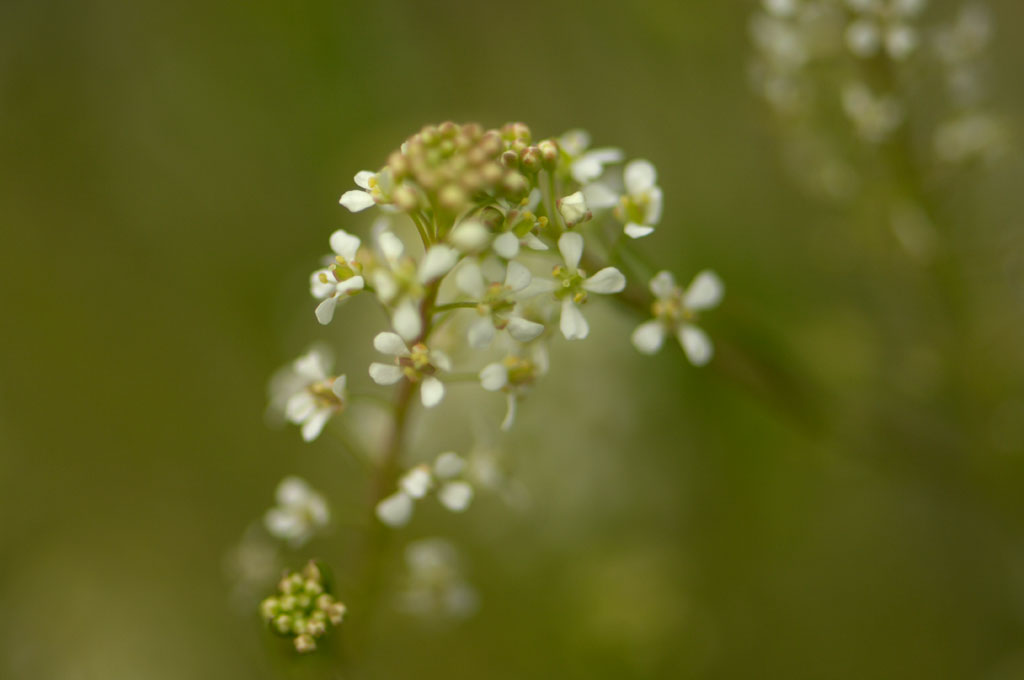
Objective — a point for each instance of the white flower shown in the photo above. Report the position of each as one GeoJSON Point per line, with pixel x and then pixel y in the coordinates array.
{"type": "Point", "coordinates": [496, 303]}
{"type": "Point", "coordinates": [453, 492]}
{"type": "Point", "coordinates": [640, 208]}
{"type": "Point", "coordinates": [395, 510]}
{"type": "Point", "coordinates": [307, 395]}
{"type": "Point", "coordinates": [675, 311]}
{"type": "Point", "coordinates": [514, 375]}
{"type": "Point", "coordinates": [590, 165]}
{"type": "Point", "coordinates": [339, 281]}
{"type": "Point", "coordinates": [572, 286]}
{"type": "Point", "coordinates": [374, 189]}
{"type": "Point", "coordinates": [418, 364]}
{"type": "Point", "coordinates": [883, 24]}
{"type": "Point", "coordinates": [573, 209]}
{"type": "Point", "coordinates": [299, 512]}
{"type": "Point", "coordinates": [434, 585]}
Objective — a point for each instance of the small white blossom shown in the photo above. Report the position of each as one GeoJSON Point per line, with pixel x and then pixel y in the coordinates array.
{"type": "Point", "coordinates": [434, 586]}
{"type": "Point", "coordinates": [307, 395]}
{"type": "Point", "coordinates": [300, 512]}
{"type": "Point", "coordinates": [640, 207]}
{"type": "Point", "coordinates": [375, 187]}
{"type": "Point", "coordinates": [417, 364]}
{"type": "Point", "coordinates": [590, 164]}
{"type": "Point", "coordinates": [514, 375]}
{"type": "Point", "coordinates": [444, 476]}
{"type": "Point", "coordinates": [496, 303]}
{"type": "Point", "coordinates": [675, 311]}
{"type": "Point", "coordinates": [341, 279]}
{"type": "Point", "coordinates": [572, 286]}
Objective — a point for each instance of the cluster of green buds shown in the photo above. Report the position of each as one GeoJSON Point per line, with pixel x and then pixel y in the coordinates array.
{"type": "Point", "coordinates": [302, 609]}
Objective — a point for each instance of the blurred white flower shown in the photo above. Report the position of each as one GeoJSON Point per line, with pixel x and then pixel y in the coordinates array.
{"type": "Point", "coordinates": [306, 394]}
{"type": "Point", "coordinates": [444, 476]}
{"type": "Point", "coordinates": [675, 311]}
{"type": "Point", "coordinates": [300, 512]}
{"type": "Point", "coordinates": [417, 364]}
{"type": "Point", "coordinates": [514, 375]}
{"type": "Point", "coordinates": [434, 586]}
{"type": "Point", "coordinates": [640, 207]}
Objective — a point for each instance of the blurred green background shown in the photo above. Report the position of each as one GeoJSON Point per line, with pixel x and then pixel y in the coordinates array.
{"type": "Point", "coordinates": [838, 496]}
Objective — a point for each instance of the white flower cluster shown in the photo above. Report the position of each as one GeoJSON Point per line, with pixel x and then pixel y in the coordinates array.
{"type": "Point", "coordinates": [507, 235]}
{"type": "Point", "coordinates": [814, 57]}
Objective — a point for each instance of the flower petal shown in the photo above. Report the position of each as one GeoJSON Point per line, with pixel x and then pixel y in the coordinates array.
{"type": "Point", "coordinates": [663, 285]}
{"type": "Point", "coordinates": [385, 285]}
{"type": "Point", "coordinates": [510, 412]}
{"type": "Point", "coordinates": [639, 176]}
{"type": "Point", "coordinates": [705, 292]}
{"type": "Point", "coordinates": [299, 407]}
{"type": "Point", "coordinates": [600, 196]}
{"type": "Point", "coordinates": [481, 333]}
{"type": "Point", "coordinates": [448, 465]}
{"type": "Point", "coordinates": [416, 482]}
{"type": "Point", "coordinates": [696, 344]}
{"type": "Point", "coordinates": [440, 360]}
{"type": "Point", "coordinates": [605, 282]}
{"type": "Point", "coordinates": [345, 244]}
{"type": "Point", "coordinates": [390, 245]}
{"type": "Point", "coordinates": [390, 343]}
{"type": "Point", "coordinates": [385, 374]}
{"type": "Point", "coordinates": [351, 285]}
{"type": "Point", "coordinates": [406, 321]}
{"type": "Point", "coordinates": [320, 288]}
{"type": "Point", "coordinates": [338, 386]}
{"type": "Point", "coordinates": [648, 337]}
{"type": "Point", "coordinates": [572, 323]}
{"type": "Point", "coordinates": [431, 392]}
{"type": "Point", "coordinates": [634, 230]}
{"type": "Point", "coordinates": [570, 244]}
{"type": "Point", "coordinates": [437, 262]}
{"type": "Point", "coordinates": [517, 277]}
{"type": "Point", "coordinates": [524, 330]}
{"type": "Point", "coordinates": [363, 177]}
{"type": "Point", "coordinates": [506, 245]}
{"type": "Point", "coordinates": [312, 428]}
{"type": "Point", "coordinates": [325, 310]}
{"type": "Point", "coordinates": [395, 510]}
{"type": "Point", "coordinates": [470, 280]}
{"type": "Point", "coordinates": [292, 491]}
{"type": "Point", "coordinates": [356, 200]}
{"type": "Point", "coordinates": [494, 376]}
{"type": "Point", "coordinates": [456, 496]}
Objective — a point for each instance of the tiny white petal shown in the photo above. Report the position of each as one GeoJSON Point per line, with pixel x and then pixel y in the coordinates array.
{"type": "Point", "coordinates": [406, 321]}
{"type": "Point", "coordinates": [292, 490]}
{"type": "Point", "coordinates": [493, 377]}
{"type": "Point", "coordinates": [386, 285]}
{"type": "Point", "coordinates": [320, 288]}
{"type": "Point", "coordinates": [663, 285]}
{"type": "Point", "coordinates": [385, 374]}
{"type": "Point", "coordinates": [390, 245]}
{"type": "Point", "coordinates": [338, 386]}
{"type": "Point", "coordinates": [449, 464]}
{"type": "Point", "coordinates": [469, 236]}
{"type": "Point", "coordinates": [572, 323]}
{"type": "Point", "coordinates": [395, 510]}
{"type": "Point", "coordinates": [431, 392]}
{"type": "Point", "coordinates": [506, 245]}
{"type": "Point", "coordinates": [312, 428]}
{"type": "Point", "coordinates": [437, 262]}
{"type": "Point", "coordinates": [570, 244]}
{"type": "Point", "coordinates": [607, 281]}
{"type": "Point", "coordinates": [440, 360]}
{"type": "Point", "coordinates": [325, 310]}
{"type": "Point", "coordinates": [416, 482]}
{"type": "Point", "coordinates": [390, 343]}
{"type": "Point", "coordinates": [639, 176]}
{"type": "Point", "coordinates": [282, 524]}
{"type": "Point", "coordinates": [481, 333]}
{"type": "Point", "coordinates": [363, 178]}
{"type": "Point", "coordinates": [599, 196]}
{"type": "Point", "coordinates": [470, 280]}
{"type": "Point", "coordinates": [696, 344]}
{"type": "Point", "coordinates": [533, 242]}
{"type": "Point", "coordinates": [654, 203]}
{"type": "Point", "coordinates": [634, 230]}
{"type": "Point", "coordinates": [345, 244]}
{"type": "Point", "coordinates": [649, 337]}
{"type": "Point", "coordinates": [510, 412]}
{"type": "Point", "coordinates": [524, 330]}
{"type": "Point", "coordinates": [705, 292]}
{"type": "Point", "coordinates": [517, 277]}
{"type": "Point", "coordinates": [299, 407]}
{"type": "Point", "coordinates": [356, 200]}
{"type": "Point", "coordinates": [574, 142]}
{"type": "Point", "coordinates": [456, 496]}
{"type": "Point", "coordinates": [350, 285]}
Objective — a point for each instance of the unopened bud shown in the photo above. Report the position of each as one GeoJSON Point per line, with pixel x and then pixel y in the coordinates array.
{"type": "Point", "coordinates": [549, 153]}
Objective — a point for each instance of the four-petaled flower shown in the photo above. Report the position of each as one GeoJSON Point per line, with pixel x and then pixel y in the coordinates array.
{"type": "Point", "coordinates": [299, 513]}
{"type": "Point", "coordinates": [307, 394]}
{"type": "Point", "coordinates": [572, 285]}
{"type": "Point", "coordinates": [496, 303]}
{"type": "Point", "coordinates": [416, 364]}
{"type": "Point", "coordinates": [640, 207]}
{"type": "Point", "coordinates": [675, 311]}
{"type": "Point", "coordinates": [341, 279]}
{"type": "Point", "coordinates": [446, 476]}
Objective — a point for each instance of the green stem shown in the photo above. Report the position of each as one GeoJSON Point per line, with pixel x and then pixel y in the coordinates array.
{"type": "Point", "coordinates": [454, 305]}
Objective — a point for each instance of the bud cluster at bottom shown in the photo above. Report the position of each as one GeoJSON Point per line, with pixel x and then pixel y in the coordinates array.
{"type": "Point", "coordinates": [302, 609]}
